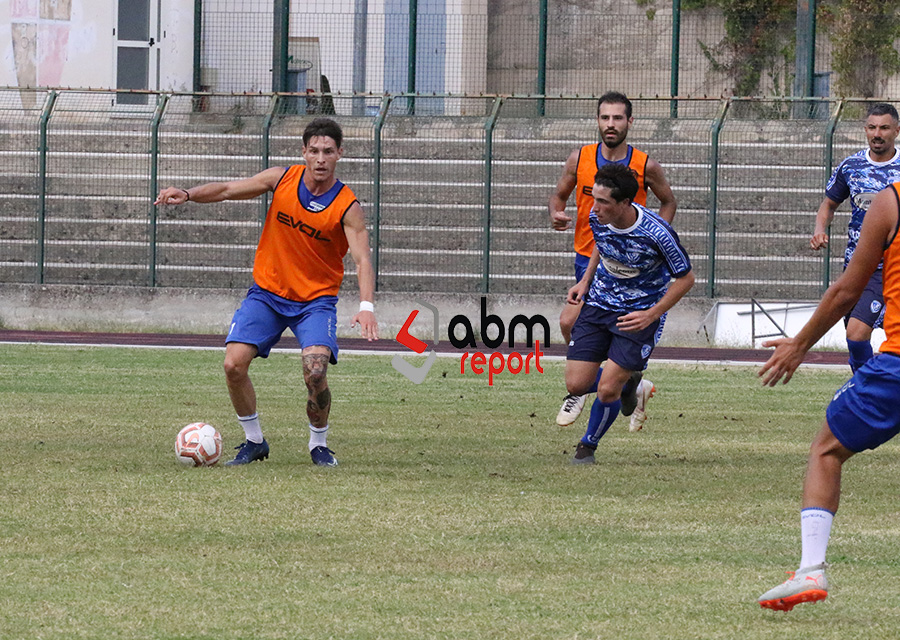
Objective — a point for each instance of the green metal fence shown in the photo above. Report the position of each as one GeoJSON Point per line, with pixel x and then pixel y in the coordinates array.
{"type": "Point", "coordinates": [454, 203]}
{"type": "Point", "coordinates": [23, 154]}
{"type": "Point", "coordinates": [641, 47]}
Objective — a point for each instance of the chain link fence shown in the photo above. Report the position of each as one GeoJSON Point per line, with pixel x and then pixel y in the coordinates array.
{"type": "Point", "coordinates": [22, 132]}
{"type": "Point", "coordinates": [643, 48]}
{"type": "Point", "coordinates": [454, 203]}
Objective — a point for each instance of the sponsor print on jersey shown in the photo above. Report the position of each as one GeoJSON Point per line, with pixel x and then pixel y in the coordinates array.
{"type": "Point", "coordinates": [863, 200]}
{"type": "Point", "coordinates": [636, 264]}
{"type": "Point", "coordinates": [618, 270]}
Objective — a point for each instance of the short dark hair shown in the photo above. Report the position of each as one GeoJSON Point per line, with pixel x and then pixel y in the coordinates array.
{"type": "Point", "coordinates": [619, 179]}
{"type": "Point", "coordinates": [614, 97]}
{"type": "Point", "coordinates": [323, 127]}
{"type": "Point", "coordinates": [883, 109]}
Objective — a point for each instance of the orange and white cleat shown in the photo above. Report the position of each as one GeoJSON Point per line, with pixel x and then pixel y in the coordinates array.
{"type": "Point", "coordinates": [805, 585]}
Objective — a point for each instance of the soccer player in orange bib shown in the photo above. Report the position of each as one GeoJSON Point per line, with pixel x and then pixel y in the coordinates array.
{"type": "Point", "coordinates": [314, 219]}
{"type": "Point", "coordinates": [614, 119]}
{"type": "Point", "coordinates": [863, 413]}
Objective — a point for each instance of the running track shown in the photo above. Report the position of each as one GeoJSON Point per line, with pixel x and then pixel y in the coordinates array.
{"type": "Point", "coordinates": [175, 340]}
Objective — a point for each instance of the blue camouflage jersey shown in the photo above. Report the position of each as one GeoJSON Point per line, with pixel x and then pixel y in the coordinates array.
{"type": "Point", "coordinates": [860, 179]}
{"type": "Point", "coordinates": [636, 264]}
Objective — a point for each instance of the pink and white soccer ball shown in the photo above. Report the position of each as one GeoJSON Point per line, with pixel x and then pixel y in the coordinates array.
{"type": "Point", "coordinates": [198, 445]}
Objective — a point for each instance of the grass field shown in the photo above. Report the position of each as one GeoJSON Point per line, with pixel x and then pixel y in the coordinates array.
{"type": "Point", "coordinates": [454, 513]}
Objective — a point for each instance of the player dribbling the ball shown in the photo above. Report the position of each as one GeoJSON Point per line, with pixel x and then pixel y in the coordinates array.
{"type": "Point", "coordinates": [314, 219]}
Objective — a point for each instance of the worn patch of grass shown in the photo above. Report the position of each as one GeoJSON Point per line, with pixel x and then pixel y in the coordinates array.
{"type": "Point", "coordinates": [454, 512]}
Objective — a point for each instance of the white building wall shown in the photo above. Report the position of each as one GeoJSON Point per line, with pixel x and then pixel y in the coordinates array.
{"type": "Point", "coordinates": [72, 43]}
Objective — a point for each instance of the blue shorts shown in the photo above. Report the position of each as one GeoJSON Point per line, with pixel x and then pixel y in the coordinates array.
{"type": "Point", "coordinates": [596, 338]}
{"type": "Point", "coordinates": [581, 265]}
{"type": "Point", "coordinates": [869, 308]}
{"type": "Point", "coordinates": [263, 317]}
{"type": "Point", "coordinates": [863, 413]}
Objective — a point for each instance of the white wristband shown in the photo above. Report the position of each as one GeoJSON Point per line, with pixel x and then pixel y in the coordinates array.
{"type": "Point", "coordinates": [365, 305]}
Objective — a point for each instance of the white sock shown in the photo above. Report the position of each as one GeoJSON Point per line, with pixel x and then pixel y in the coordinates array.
{"type": "Point", "coordinates": [252, 430]}
{"type": "Point", "coordinates": [317, 437]}
{"type": "Point", "coordinates": [815, 529]}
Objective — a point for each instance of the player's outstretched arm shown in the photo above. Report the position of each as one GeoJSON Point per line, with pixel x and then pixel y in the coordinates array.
{"type": "Point", "coordinates": [878, 229]}
{"type": "Point", "coordinates": [824, 217]}
{"type": "Point", "coordinates": [245, 189]}
{"type": "Point", "coordinates": [655, 178]}
{"type": "Point", "coordinates": [567, 182]}
{"type": "Point", "coordinates": [358, 243]}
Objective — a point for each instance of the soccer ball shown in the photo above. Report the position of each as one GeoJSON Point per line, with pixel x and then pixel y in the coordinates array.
{"type": "Point", "coordinates": [198, 445]}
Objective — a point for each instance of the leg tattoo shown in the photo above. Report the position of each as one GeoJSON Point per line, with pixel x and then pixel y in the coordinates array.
{"type": "Point", "coordinates": [318, 404]}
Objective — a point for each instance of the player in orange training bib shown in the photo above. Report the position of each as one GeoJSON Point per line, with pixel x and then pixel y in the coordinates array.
{"type": "Point", "coordinates": [314, 219]}
{"type": "Point", "coordinates": [861, 415]}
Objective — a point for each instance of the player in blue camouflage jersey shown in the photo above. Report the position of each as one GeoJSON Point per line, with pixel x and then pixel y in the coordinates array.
{"type": "Point", "coordinates": [859, 178]}
{"type": "Point", "coordinates": [626, 289]}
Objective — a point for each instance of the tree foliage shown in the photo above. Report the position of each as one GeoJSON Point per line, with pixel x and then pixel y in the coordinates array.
{"type": "Point", "coordinates": [863, 33]}
{"type": "Point", "coordinates": [759, 33]}
{"type": "Point", "coordinates": [756, 33]}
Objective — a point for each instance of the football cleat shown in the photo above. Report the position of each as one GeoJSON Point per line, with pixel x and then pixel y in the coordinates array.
{"type": "Point", "coordinates": [323, 457]}
{"type": "Point", "coordinates": [584, 454]}
{"type": "Point", "coordinates": [630, 399]}
{"type": "Point", "coordinates": [645, 391]}
{"type": "Point", "coordinates": [805, 585]}
{"type": "Point", "coordinates": [249, 452]}
{"type": "Point", "coordinates": [570, 410]}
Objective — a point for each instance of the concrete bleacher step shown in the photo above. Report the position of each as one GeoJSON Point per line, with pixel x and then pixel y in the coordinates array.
{"type": "Point", "coordinates": [771, 153]}
{"type": "Point", "coordinates": [447, 192]}
{"type": "Point", "coordinates": [100, 232]}
{"type": "Point", "coordinates": [430, 261]}
{"type": "Point", "coordinates": [202, 231]}
{"type": "Point", "coordinates": [759, 224]}
{"type": "Point", "coordinates": [203, 278]}
{"type": "Point", "coordinates": [193, 255]}
{"type": "Point", "coordinates": [772, 177]}
{"type": "Point", "coordinates": [439, 282]}
{"type": "Point", "coordinates": [432, 198]}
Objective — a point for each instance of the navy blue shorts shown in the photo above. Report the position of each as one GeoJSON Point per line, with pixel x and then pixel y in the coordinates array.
{"type": "Point", "coordinates": [863, 413]}
{"type": "Point", "coordinates": [263, 317]}
{"type": "Point", "coordinates": [869, 308]}
{"type": "Point", "coordinates": [596, 338]}
{"type": "Point", "coordinates": [581, 265]}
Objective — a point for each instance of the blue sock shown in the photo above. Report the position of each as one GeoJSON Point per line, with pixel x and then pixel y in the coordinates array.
{"type": "Point", "coordinates": [860, 352]}
{"type": "Point", "coordinates": [603, 414]}
{"type": "Point", "coordinates": [593, 389]}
